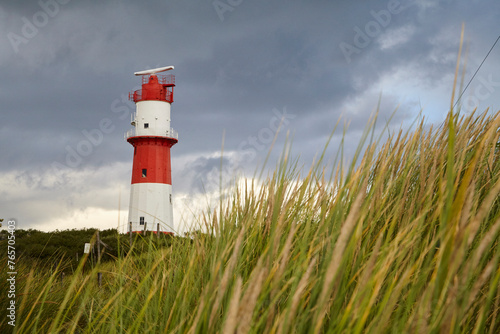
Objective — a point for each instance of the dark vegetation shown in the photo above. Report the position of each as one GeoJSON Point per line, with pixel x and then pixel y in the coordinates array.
{"type": "Point", "coordinates": [66, 248]}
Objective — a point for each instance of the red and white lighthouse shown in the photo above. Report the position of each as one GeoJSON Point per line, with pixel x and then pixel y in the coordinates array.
{"type": "Point", "coordinates": [152, 137]}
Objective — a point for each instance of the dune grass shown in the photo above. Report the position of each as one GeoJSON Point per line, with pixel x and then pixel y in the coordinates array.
{"type": "Point", "coordinates": [403, 239]}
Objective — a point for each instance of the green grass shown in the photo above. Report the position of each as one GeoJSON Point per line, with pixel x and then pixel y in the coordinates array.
{"type": "Point", "coordinates": [405, 239]}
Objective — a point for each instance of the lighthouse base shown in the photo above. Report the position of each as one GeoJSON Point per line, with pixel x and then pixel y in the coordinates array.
{"type": "Point", "coordinates": [151, 207]}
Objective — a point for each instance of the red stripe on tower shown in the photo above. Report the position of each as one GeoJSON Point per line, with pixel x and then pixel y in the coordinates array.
{"type": "Point", "coordinates": [151, 190]}
{"type": "Point", "coordinates": [151, 159]}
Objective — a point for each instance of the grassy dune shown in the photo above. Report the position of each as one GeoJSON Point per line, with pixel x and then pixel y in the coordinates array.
{"type": "Point", "coordinates": [403, 239]}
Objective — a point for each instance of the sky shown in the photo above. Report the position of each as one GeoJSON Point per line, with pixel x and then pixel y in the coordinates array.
{"type": "Point", "coordinates": [241, 68]}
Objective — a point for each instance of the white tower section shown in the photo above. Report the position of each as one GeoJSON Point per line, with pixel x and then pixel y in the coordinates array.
{"type": "Point", "coordinates": [152, 118]}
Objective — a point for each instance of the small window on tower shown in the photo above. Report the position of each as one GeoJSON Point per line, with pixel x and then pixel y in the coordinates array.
{"type": "Point", "coordinates": [170, 198]}
{"type": "Point", "coordinates": [146, 125]}
{"type": "Point", "coordinates": [144, 172]}
{"type": "Point", "coordinates": [141, 220]}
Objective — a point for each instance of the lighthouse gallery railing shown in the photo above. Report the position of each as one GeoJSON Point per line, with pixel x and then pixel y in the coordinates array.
{"type": "Point", "coordinates": [169, 133]}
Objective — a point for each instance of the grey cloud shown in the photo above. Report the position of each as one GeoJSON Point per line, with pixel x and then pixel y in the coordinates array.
{"type": "Point", "coordinates": [230, 75]}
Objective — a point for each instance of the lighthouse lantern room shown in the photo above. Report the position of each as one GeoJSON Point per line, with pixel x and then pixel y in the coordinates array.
{"type": "Point", "coordinates": [152, 137]}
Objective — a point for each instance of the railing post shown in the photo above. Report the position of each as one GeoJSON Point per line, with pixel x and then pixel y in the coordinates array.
{"type": "Point", "coordinates": [130, 233]}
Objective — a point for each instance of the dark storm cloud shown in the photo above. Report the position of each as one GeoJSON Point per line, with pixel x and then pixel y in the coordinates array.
{"type": "Point", "coordinates": [204, 174]}
{"type": "Point", "coordinates": [247, 73]}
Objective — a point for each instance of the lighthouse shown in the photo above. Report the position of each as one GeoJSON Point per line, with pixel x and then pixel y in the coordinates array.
{"type": "Point", "coordinates": [152, 137]}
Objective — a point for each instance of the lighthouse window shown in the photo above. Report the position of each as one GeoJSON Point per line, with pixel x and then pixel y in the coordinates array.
{"type": "Point", "coordinates": [141, 220]}
{"type": "Point", "coordinates": [146, 125]}
{"type": "Point", "coordinates": [170, 198]}
{"type": "Point", "coordinates": [144, 172]}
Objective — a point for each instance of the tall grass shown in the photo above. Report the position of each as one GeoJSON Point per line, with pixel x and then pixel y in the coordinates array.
{"type": "Point", "coordinates": [404, 239]}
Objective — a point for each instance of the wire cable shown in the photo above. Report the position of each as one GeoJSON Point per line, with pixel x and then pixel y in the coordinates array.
{"type": "Point", "coordinates": [498, 38]}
